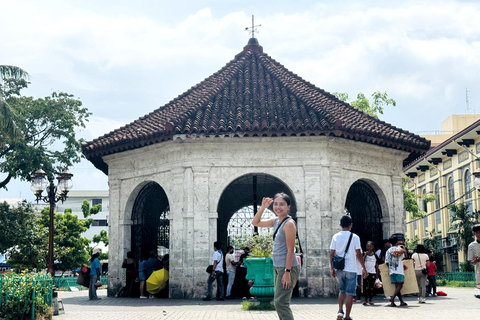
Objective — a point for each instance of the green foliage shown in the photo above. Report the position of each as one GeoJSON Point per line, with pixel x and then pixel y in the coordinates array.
{"type": "Point", "coordinates": [25, 241]}
{"type": "Point", "coordinates": [462, 222]}
{"type": "Point", "coordinates": [410, 201]}
{"type": "Point", "coordinates": [45, 135]}
{"type": "Point", "coordinates": [255, 305]}
{"type": "Point", "coordinates": [455, 284]}
{"type": "Point", "coordinates": [411, 244]}
{"type": "Point", "coordinates": [87, 211]}
{"type": "Point", "coordinates": [466, 266]}
{"type": "Point", "coordinates": [12, 80]}
{"type": "Point", "coordinates": [261, 245]}
{"type": "Point", "coordinates": [102, 237]}
{"type": "Point", "coordinates": [70, 248]}
{"type": "Point", "coordinates": [373, 108]}
{"type": "Point", "coordinates": [19, 292]}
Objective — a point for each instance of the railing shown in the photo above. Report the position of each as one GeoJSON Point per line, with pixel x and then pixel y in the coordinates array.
{"type": "Point", "coordinates": [457, 276]}
{"type": "Point", "coordinates": [67, 283]}
{"type": "Point", "coordinates": [22, 296]}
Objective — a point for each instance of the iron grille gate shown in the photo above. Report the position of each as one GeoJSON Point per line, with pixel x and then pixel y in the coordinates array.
{"type": "Point", "coordinates": [151, 224]}
{"type": "Point", "coordinates": [364, 208]}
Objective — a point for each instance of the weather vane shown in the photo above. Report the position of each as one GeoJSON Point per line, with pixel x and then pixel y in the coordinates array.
{"type": "Point", "coordinates": [253, 28]}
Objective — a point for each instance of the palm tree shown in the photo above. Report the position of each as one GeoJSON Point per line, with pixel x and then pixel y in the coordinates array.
{"type": "Point", "coordinates": [462, 222]}
{"type": "Point", "coordinates": [7, 114]}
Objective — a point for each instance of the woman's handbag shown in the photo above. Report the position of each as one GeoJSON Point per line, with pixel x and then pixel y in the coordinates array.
{"type": "Point", "coordinates": [424, 270]}
{"type": "Point", "coordinates": [338, 262]}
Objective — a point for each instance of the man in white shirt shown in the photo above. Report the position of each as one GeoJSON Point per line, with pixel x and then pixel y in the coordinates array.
{"type": "Point", "coordinates": [393, 259]}
{"type": "Point", "coordinates": [348, 276]}
{"type": "Point", "coordinates": [217, 273]}
{"type": "Point", "coordinates": [473, 255]}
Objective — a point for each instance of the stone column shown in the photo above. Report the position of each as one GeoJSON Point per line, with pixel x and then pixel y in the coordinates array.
{"type": "Point", "coordinates": [311, 222]}
{"type": "Point", "coordinates": [179, 273]}
{"type": "Point", "coordinates": [393, 222]}
{"type": "Point", "coordinates": [115, 234]}
{"type": "Point", "coordinates": [204, 230]}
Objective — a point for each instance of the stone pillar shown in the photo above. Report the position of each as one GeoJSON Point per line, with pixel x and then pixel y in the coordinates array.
{"type": "Point", "coordinates": [204, 230]}
{"type": "Point", "coordinates": [311, 221]}
{"type": "Point", "coordinates": [397, 216]}
{"type": "Point", "coordinates": [115, 234]}
{"type": "Point", "coordinates": [180, 273]}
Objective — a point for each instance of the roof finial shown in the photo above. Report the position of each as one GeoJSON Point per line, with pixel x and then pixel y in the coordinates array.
{"type": "Point", "coordinates": [253, 28]}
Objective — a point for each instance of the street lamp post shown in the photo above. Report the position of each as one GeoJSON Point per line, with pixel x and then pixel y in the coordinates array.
{"type": "Point", "coordinates": [54, 194]}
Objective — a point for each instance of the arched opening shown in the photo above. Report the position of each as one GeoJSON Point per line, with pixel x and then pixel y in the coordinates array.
{"type": "Point", "coordinates": [364, 207]}
{"type": "Point", "coordinates": [151, 226]}
{"type": "Point", "coordinates": [241, 199]}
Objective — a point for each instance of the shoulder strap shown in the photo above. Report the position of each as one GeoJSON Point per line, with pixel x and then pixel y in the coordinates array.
{"type": "Point", "coordinates": [348, 244]}
{"type": "Point", "coordinates": [279, 226]}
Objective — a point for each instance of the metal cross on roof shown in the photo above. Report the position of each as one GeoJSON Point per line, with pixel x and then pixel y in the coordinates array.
{"type": "Point", "coordinates": [253, 28]}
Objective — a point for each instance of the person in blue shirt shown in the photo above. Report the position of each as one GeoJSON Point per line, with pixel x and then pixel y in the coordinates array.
{"type": "Point", "coordinates": [94, 275]}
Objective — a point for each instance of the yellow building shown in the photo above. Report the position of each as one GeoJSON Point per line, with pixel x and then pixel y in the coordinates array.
{"type": "Point", "coordinates": [445, 171]}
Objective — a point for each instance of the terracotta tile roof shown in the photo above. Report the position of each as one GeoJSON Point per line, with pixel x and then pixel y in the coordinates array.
{"type": "Point", "coordinates": [253, 95]}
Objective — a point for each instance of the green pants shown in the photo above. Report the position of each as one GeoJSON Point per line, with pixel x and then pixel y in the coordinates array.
{"type": "Point", "coordinates": [283, 296]}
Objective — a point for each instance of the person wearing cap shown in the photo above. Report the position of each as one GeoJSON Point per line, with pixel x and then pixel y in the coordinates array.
{"type": "Point", "coordinates": [94, 275]}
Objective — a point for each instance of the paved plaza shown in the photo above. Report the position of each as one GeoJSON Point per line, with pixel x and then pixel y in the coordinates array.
{"type": "Point", "coordinates": [459, 304]}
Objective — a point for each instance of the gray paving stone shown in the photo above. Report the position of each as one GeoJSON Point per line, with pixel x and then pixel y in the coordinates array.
{"type": "Point", "coordinates": [459, 304]}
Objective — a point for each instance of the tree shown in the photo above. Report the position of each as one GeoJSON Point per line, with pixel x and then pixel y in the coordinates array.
{"type": "Point", "coordinates": [462, 222]}
{"type": "Point", "coordinates": [47, 128]}
{"type": "Point", "coordinates": [376, 107]}
{"type": "Point", "coordinates": [22, 238]}
{"type": "Point", "coordinates": [8, 118]}
{"type": "Point", "coordinates": [70, 248]}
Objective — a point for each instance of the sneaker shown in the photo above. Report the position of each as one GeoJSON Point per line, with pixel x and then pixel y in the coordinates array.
{"type": "Point", "coordinates": [207, 299]}
{"type": "Point", "coordinates": [434, 295]}
{"type": "Point", "coordinates": [340, 315]}
{"type": "Point", "coordinates": [143, 297]}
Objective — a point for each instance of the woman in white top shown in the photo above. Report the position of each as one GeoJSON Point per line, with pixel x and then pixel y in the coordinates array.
{"type": "Point", "coordinates": [371, 265]}
{"type": "Point", "coordinates": [420, 260]}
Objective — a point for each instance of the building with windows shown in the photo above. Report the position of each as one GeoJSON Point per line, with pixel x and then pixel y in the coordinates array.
{"type": "Point", "coordinates": [446, 171]}
{"type": "Point", "coordinates": [74, 201]}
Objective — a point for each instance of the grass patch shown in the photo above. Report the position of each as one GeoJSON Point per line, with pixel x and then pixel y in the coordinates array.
{"type": "Point", "coordinates": [256, 305]}
{"type": "Point", "coordinates": [455, 284]}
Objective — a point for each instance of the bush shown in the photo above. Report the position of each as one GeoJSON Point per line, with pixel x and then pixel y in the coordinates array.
{"type": "Point", "coordinates": [260, 245]}
{"type": "Point", "coordinates": [255, 305]}
{"type": "Point", "coordinates": [20, 292]}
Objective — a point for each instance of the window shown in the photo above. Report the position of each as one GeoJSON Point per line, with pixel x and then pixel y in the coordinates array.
{"type": "Point", "coordinates": [414, 225]}
{"type": "Point", "coordinates": [468, 184]}
{"type": "Point", "coordinates": [96, 201]}
{"type": "Point", "coordinates": [99, 223]}
{"type": "Point", "coordinates": [438, 215]}
{"type": "Point", "coordinates": [424, 194]}
{"type": "Point", "coordinates": [451, 193]}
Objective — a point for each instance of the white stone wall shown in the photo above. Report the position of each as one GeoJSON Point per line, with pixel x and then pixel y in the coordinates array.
{"type": "Point", "coordinates": [194, 171]}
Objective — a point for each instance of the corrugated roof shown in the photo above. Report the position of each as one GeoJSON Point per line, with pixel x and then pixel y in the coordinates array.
{"type": "Point", "coordinates": [253, 95]}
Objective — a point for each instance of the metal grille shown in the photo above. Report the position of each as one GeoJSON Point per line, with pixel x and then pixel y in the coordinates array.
{"type": "Point", "coordinates": [151, 226]}
{"type": "Point", "coordinates": [240, 224]}
{"type": "Point", "coordinates": [363, 205]}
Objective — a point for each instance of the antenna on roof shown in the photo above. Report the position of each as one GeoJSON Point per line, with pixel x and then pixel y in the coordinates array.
{"type": "Point", "coordinates": [467, 102]}
{"type": "Point", "coordinates": [253, 28]}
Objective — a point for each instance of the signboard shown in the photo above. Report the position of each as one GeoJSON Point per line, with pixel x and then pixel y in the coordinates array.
{"type": "Point", "coordinates": [410, 284]}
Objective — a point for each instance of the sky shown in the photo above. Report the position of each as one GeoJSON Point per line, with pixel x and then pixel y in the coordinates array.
{"type": "Point", "coordinates": [124, 59]}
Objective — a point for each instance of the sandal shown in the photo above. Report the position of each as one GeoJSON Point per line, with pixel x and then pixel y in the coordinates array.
{"type": "Point", "coordinates": [371, 303]}
{"type": "Point", "coordinates": [403, 304]}
{"type": "Point", "coordinates": [365, 303]}
{"type": "Point", "coordinates": [392, 304]}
